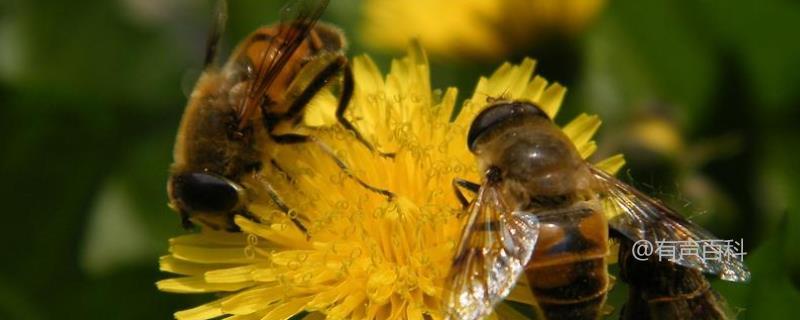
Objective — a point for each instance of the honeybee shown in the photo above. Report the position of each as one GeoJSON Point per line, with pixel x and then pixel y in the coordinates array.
{"type": "Point", "coordinates": [235, 111]}
{"type": "Point", "coordinates": [539, 210]}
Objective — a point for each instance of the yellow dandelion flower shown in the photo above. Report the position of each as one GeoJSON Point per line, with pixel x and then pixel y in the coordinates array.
{"type": "Point", "coordinates": [473, 29]}
{"type": "Point", "coordinates": [367, 256]}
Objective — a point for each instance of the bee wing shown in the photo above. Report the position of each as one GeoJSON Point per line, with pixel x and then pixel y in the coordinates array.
{"type": "Point", "coordinates": [645, 218]}
{"type": "Point", "coordinates": [669, 284]}
{"type": "Point", "coordinates": [496, 244]}
{"type": "Point", "coordinates": [298, 18]}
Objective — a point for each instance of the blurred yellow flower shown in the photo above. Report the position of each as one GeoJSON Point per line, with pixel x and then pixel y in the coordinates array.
{"type": "Point", "coordinates": [367, 257]}
{"type": "Point", "coordinates": [657, 134]}
{"type": "Point", "coordinates": [473, 29]}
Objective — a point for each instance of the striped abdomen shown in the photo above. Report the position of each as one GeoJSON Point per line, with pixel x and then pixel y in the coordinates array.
{"type": "Point", "coordinates": [568, 275]}
{"type": "Point", "coordinates": [664, 290]}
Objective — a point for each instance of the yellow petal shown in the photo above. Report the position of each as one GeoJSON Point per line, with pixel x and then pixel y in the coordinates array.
{"type": "Point", "coordinates": [197, 285]}
{"type": "Point", "coordinates": [587, 149]}
{"type": "Point", "coordinates": [210, 255]}
{"type": "Point", "coordinates": [367, 76]}
{"type": "Point", "coordinates": [380, 285]}
{"type": "Point", "coordinates": [611, 165]}
{"type": "Point", "coordinates": [281, 234]}
{"type": "Point", "coordinates": [534, 91]}
{"type": "Point", "coordinates": [551, 99]}
{"type": "Point", "coordinates": [350, 302]}
{"type": "Point", "coordinates": [321, 110]}
{"type": "Point", "coordinates": [183, 267]}
{"type": "Point", "coordinates": [252, 300]}
{"type": "Point", "coordinates": [581, 129]}
{"type": "Point", "coordinates": [327, 297]}
{"type": "Point", "coordinates": [288, 309]}
{"type": "Point", "coordinates": [233, 275]}
{"type": "Point", "coordinates": [206, 311]}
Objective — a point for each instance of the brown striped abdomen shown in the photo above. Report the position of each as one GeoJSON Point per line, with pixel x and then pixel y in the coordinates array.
{"type": "Point", "coordinates": [568, 274]}
{"type": "Point", "coordinates": [664, 290]}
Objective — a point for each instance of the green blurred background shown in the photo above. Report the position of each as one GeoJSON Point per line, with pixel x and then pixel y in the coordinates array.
{"type": "Point", "coordinates": [703, 96]}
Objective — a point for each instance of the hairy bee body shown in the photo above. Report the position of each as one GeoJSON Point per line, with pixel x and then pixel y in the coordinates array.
{"type": "Point", "coordinates": [209, 137]}
{"type": "Point", "coordinates": [539, 171]}
{"type": "Point", "coordinates": [540, 211]}
{"type": "Point", "coordinates": [209, 142]}
{"type": "Point", "coordinates": [230, 119]}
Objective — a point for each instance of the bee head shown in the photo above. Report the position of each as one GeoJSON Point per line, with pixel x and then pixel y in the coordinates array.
{"type": "Point", "coordinates": [498, 114]}
{"type": "Point", "coordinates": [202, 192]}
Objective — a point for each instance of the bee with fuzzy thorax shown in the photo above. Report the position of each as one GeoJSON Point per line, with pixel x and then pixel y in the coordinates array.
{"type": "Point", "coordinates": [541, 211]}
{"type": "Point", "coordinates": [238, 110]}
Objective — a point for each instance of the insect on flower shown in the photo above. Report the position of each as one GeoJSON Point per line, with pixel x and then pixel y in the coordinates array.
{"type": "Point", "coordinates": [238, 110]}
{"type": "Point", "coordinates": [543, 211]}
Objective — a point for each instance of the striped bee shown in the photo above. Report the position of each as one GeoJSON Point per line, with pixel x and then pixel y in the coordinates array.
{"type": "Point", "coordinates": [540, 210]}
{"type": "Point", "coordinates": [238, 110]}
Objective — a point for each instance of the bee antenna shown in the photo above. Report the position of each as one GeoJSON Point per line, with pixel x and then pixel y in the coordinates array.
{"type": "Point", "coordinates": [217, 29]}
{"type": "Point", "coordinates": [492, 99]}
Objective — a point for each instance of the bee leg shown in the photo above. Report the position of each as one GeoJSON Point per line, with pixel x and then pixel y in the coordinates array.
{"type": "Point", "coordinates": [273, 194]}
{"type": "Point", "coordinates": [186, 223]}
{"type": "Point", "coordinates": [231, 224]}
{"type": "Point", "coordinates": [388, 194]}
{"type": "Point", "coordinates": [299, 104]}
{"type": "Point", "coordinates": [344, 101]}
{"type": "Point", "coordinates": [281, 171]}
{"type": "Point", "coordinates": [319, 82]}
{"type": "Point", "coordinates": [292, 138]}
{"type": "Point", "coordinates": [459, 183]}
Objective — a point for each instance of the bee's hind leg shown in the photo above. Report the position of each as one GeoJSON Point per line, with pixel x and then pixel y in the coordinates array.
{"type": "Point", "coordinates": [320, 80]}
{"type": "Point", "coordinates": [278, 201]}
{"type": "Point", "coordinates": [348, 87]}
{"type": "Point", "coordinates": [292, 138]}
{"type": "Point", "coordinates": [459, 183]}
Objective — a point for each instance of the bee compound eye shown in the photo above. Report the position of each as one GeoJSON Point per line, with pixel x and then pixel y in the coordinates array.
{"type": "Point", "coordinates": [497, 114]}
{"type": "Point", "coordinates": [202, 192]}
